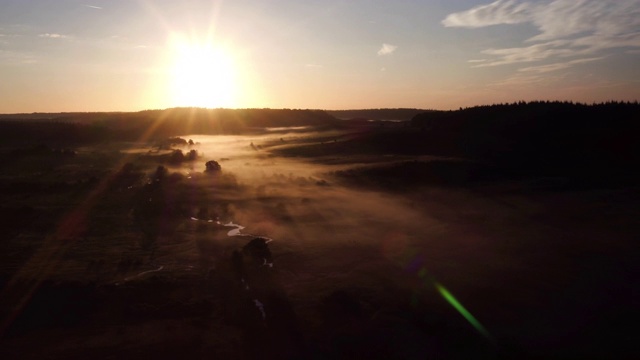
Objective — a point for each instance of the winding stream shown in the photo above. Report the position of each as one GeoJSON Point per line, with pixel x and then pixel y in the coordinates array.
{"type": "Point", "coordinates": [128, 278]}
{"type": "Point", "coordinates": [235, 232]}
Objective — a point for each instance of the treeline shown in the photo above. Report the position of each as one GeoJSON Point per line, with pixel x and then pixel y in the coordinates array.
{"type": "Point", "coordinates": [77, 128]}
{"type": "Point", "coordinates": [228, 121]}
{"type": "Point", "coordinates": [54, 133]}
{"type": "Point", "coordinates": [377, 114]}
{"type": "Point", "coordinates": [551, 138]}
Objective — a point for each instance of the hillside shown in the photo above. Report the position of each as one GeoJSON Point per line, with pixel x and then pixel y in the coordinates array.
{"type": "Point", "coordinates": [151, 124]}
{"type": "Point", "coordinates": [552, 137]}
{"type": "Point", "coordinates": [590, 144]}
{"type": "Point", "coordinates": [377, 114]}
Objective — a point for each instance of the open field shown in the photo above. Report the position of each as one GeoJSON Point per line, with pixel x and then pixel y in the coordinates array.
{"type": "Point", "coordinates": [105, 256]}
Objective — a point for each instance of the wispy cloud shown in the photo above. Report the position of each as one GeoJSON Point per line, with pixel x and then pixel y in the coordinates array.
{"type": "Point", "coordinates": [92, 6]}
{"type": "Point", "coordinates": [499, 12]}
{"type": "Point", "coordinates": [519, 80]}
{"type": "Point", "coordinates": [580, 29]}
{"type": "Point", "coordinates": [53, 36]}
{"type": "Point", "coordinates": [558, 66]}
{"type": "Point", "coordinates": [387, 49]}
{"type": "Point", "coordinates": [531, 53]}
{"type": "Point", "coordinates": [313, 66]}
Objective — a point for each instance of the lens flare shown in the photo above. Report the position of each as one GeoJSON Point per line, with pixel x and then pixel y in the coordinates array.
{"type": "Point", "coordinates": [462, 310]}
{"type": "Point", "coordinates": [414, 264]}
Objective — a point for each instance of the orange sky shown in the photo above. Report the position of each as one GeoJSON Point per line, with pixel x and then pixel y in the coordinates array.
{"type": "Point", "coordinates": [133, 55]}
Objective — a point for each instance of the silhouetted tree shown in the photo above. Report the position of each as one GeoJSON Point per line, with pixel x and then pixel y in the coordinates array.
{"type": "Point", "coordinates": [176, 157]}
{"type": "Point", "coordinates": [212, 166]}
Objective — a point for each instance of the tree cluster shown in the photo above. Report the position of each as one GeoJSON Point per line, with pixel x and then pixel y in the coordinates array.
{"type": "Point", "coordinates": [555, 138]}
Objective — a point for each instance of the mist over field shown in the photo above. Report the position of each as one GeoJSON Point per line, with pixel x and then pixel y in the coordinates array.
{"type": "Point", "coordinates": [349, 239]}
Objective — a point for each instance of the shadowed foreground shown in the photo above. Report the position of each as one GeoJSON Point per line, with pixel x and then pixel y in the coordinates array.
{"type": "Point", "coordinates": [286, 250]}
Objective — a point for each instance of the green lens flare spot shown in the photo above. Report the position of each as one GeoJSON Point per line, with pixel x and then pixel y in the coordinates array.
{"type": "Point", "coordinates": [461, 309]}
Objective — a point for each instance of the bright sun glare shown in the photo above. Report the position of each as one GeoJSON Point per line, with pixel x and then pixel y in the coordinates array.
{"type": "Point", "coordinates": [203, 74]}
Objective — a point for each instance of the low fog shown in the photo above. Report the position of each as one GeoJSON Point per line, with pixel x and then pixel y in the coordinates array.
{"type": "Point", "coordinates": [389, 248]}
{"type": "Point", "coordinates": [299, 204]}
{"type": "Point", "coordinates": [282, 251]}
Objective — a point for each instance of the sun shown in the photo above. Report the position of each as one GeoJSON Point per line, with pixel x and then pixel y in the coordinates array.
{"type": "Point", "coordinates": [203, 74]}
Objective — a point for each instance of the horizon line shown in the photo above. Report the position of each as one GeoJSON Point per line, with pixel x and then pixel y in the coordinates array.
{"type": "Point", "coordinates": [319, 109]}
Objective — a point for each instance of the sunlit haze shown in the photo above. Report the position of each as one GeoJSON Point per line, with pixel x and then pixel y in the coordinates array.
{"type": "Point", "coordinates": [122, 55]}
{"type": "Point", "coordinates": [203, 75]}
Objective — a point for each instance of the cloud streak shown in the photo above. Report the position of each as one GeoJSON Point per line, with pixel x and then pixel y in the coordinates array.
{"type": "Point", "coordinates": [92, 6]}
{"type": "Point", "coordinates": [570, 32]}
{"type": "Point", "coordinates": [496, 13]}
{"type": "Point", "coordinates": [387, 49]}
{"type": "Point", "coordinates": [53, 36]}
{"type": "Point", "coordinates": [558, 66]}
